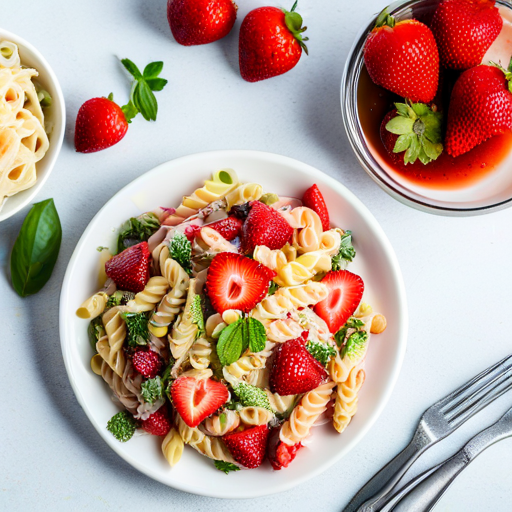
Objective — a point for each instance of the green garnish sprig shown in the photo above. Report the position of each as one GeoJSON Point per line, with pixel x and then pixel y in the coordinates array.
{"type": "Point", "coordinates": [180, 250]}
{"type": "Point", "coordinates": [222, 465]}
{"type": "Point", "coordinates": [352, 338]}
{"type": "Point", "coordinates": [320, 351]}
{"type": "Point", "coordinates": [122, 426]}
{"type": "Point", "coordinates": [152, 390]}
{"type": "Point", "coordinates": [137, 230]}
{"type": "Point", "coordinates": [137, 328]}
{"type": "Point", "coordinates": [142, 98]}
{"type": "Point", "coordinates": [345, 254]}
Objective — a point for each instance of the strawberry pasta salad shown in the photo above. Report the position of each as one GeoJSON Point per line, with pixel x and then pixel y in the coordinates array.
{"type": "Point", "coordinates": [231, 324]}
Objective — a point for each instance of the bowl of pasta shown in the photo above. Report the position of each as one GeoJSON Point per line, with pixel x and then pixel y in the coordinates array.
{"type": "Point", "coordinates": [233, 328]}
{"type": "Point", "coordinates": [32, 122]}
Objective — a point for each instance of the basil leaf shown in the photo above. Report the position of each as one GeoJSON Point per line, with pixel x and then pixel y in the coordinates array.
{"type": "Point", "coordinates": [156, 84]}
{"type": "Point", "coordinates": [145, 101]}
{"type": "Point", "coordinates": [36, 249]}
{"type": "Point", "coordinates": [153, 69]}
{"type": "Point", "coordinates": [257, 335]}
{"type": "Point", "coordinates": [230, 344]}
{"type": "Point", "coordinates": [131, 68]}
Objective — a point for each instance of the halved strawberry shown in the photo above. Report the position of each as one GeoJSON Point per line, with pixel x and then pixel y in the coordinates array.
{"type": "Point", "coordinates": [159, 423]}
{"type": "Point", "coordinates": [314, 199]}
{"type": "Point", "coordinates": [236, 282]}
{"type": "Point", "coordinates": [264, 226]}
{"type": "Point", "coordinates": [130, 269]}
{"type": "Point", "coordinates": [196, 399]}
{"type": "Point", "coordinates": [295, 370]}
{"type": "Point", "coordinates": [248, 447]}
{"type": "Point", "coordinates": [345, 293]}
{"type": "Point", "coordinates": [229, 228]}
{"type": "Point", "coordinates": [280, 454]}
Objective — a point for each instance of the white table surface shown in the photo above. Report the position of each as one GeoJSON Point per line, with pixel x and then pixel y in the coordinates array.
{"type": "Point", "coordinates": [457, 271]}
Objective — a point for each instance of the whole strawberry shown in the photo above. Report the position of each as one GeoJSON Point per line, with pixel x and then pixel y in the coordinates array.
{"type": "Point", "coordinates": [159, 423]}
{"type": "Point", "coordinates": [264, 226]}
{"type": "Point", "coordinates": [248, 447]}
{"type": "Point", "coordinates": [130, 269]}
{"type": "Point", "coordinates": [100, 123]}
{"type": "Point", "coordinates": [464, 31]}
{"type": "Point", "coordinates": [480, 107]}
{"type": "Point", "coordinates": [403, 58]}
{"type": "Point", "coordinates": [196, 22]}
{"type": "Point", "coordinates": [270, 43]}
{"type": "Point", "coordinates": [412, 133]}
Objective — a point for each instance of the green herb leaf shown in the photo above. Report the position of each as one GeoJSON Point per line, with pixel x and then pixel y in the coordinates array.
{"type": "Point", "coordinates": [180, 250]}
{"type": "Point", "coordinates": [152, 390]}
{"type": "Point", "coordinates": [320, 351]}
{"type": "Point", "coordinates": [129, 111]}
{"type": "Point", "coordinates": [222, 465]}
{"type": "Point", "coordinates": [351, 323]}
{"type": "Point", "coordinates": [346, 252]}
{"type": "Point", "coordinates": [273, 288]}
{"type": "Point", "coordinates": [145, 101]}
{"type": "Point", "coordinates": [257, 335]}
{"type": "Point", "coordinates": [122, 426]}
{"type": "Point", "coordinates": [131, 68]}
{"type": "Point", "coordinates": [231, 342]}
{"type": "Point", "coordinates": [156, 84]}
{"type": "Point", "coordinates": [119, 298]}
{"type": "Point", "coordinates": [153, 69]}
{"type": "Point", "coordinates": [95, 331]}
{"type": "Point", "coordinates": [355, 345]}
{"type": "Point", "coordinates": [137, 230]}
{"type": "Point", "coordinates": [252, 396]}
{"type": "Point", "coordinates": [137, 328]}
{"type": "Point", "coordinates": [36, 249]}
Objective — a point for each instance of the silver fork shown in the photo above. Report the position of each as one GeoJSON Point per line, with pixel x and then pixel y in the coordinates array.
{"type": "Point", "coordinates": [437, 422]}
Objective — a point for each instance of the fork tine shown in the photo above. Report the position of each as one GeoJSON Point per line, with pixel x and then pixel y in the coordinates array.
{"type": "Point", "coordinates": [475, 394]}
{"type": "Point", "coordinates": [475, 383]}
{"type": "Point", "coordinates": [489, 397]}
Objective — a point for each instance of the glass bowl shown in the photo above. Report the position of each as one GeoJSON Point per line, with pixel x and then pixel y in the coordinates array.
{"type": "Point", "coordinates": [474, 190]}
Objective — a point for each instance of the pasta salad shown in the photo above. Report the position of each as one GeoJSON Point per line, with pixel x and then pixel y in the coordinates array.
{"type": "Point", "coordinates": [231, 324]}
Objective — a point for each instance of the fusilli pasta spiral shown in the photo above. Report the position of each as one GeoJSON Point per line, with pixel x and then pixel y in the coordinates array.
{"type": "Point", "coordinates": [153, 293]}
{"type": "Point", "coordinates": [199, 354]}
{"type": "Point", "coordinates": [110, 346]}
{"type": "Point", "coordinates": [243, 194]}
{"type": "Point", "coordinates": [221, 424]}
{"type": "Point", "coordinates": [93, 306]}
{"type": "Point", "coordinates": [172, 447]}
{"type": "Point", "coordinates": [345, 405]}
{"type": "Point", "coordinates": [255, 415]}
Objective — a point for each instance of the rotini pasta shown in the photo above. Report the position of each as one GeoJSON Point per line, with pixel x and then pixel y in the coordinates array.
{"type": "Point", "coordinates": [312, 405]}
{"type": "Point", "coordinates": [200, 352]}
{"type": "Point", "coordinates": [243, 194]}
{"type": "Point", "coordinates": [273, 259]}
{"type": "Point", "coordinates": [283, 330]}
{"type": "Point", "coordinates": [309, 228]}
{"type": "Point", "coordinates": [110, 346]}
{"type": "Point", "coordinates": [219, 425]}
{"type": "Point", "coordinates": [304, 295]}
{"type": "Point", "coordinates": [303, 268]}
{"type": "Point", "coordinates": [281, 404]}
{"type": "Point", "coordinates": [255, 415]}
{"type": "Point", "coordinates": [94, 306]}
{"type": "Point", "coordinates": [345, 405]}
{"type": "Point", "coordinates": [172, 447]}
{"type": "Point", "coordinates": [153, 293]}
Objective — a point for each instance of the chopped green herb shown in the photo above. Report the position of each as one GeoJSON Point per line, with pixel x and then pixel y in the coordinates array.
{"type": "Point", "coordinates": [355, 345]}
{"type": "Point", "coordinates": [95, 331]}
{"type": "Point", "coordinates": [137, 230]}
{"type": "Point", "coordinates": [346, 253]}
{"type": "Point", "coordinates": [137, 327]}
{"type": "Point", "coordinates": [180, 250]}
{"type": "Point", "coordinates": [320, 351]}
{"type": "Point", "coordinates": [152, 390]}
{"type": "Point", "coordinates": [122, 426]}
{"type": "Point", "coordinates": [222, 465]}
{"type": "Point", "coordinates": [352, 323]}
{"type": "Point", "coordinates": [252, 396]}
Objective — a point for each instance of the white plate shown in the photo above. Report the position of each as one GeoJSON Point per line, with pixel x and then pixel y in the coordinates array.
{"type": "Point", "coordinates": [56, 115]}
{"type": "Point", "coordinates": [375, 262]}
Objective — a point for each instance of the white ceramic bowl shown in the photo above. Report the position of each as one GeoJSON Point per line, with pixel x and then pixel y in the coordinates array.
{"type": "Point", "coordinates": [375, 262]}
{"type": "Point", "coordinates": [56, 115]}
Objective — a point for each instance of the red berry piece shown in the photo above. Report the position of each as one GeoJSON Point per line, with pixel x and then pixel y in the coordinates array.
{"type": "Point", "coordinates": [159, 423]}
{"type": "Point", "coordinates": [147, 363]}
{"type": "Point", "coordinates": [229, 228]}
{"type": "Point", "coordinates": [130, 269]}
{"type": "Point", "coordinates": [248, 447]}
{"type": "Point", "coordinates": [279, 454]}
{"type": "Point", "coordinates": [314, 199]}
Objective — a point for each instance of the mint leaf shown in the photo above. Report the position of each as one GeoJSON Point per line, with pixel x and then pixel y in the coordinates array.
{"type": "Point", "coordinates": [257, 335]}
{"type": "Point", "coordinates": [320, 351]}
{"type": "Point", "coordinates": [145, 101]}
{"type": "Point", "coordinates": [222, 465]}
{"type": "Point", "coordinates": [346, 252]}
{"type": "Point", "coordinates": [153, 69]}
{"type": "Point", "coordinates": [156, 84]}
{"type": "Point", "coordinates": [131, 68]}
{"type": "Point", "coordinates": [152, 390]}
{"type": "Point", "coordinates": [231, 342]}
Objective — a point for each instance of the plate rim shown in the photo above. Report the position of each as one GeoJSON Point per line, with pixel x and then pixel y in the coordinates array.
{"type": "Point", "coordinates": [397, 278]}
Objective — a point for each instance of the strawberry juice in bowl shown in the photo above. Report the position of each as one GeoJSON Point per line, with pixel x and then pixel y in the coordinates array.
{"type": "Point", "coordinates": [475, 182]}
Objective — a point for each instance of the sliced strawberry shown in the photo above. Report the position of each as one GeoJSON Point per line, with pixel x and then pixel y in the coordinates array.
{"type": "Point", "coordinates": [147, 363]}
{"type": "Point", "coordinates": [229, 228]}
{"type": "Point", "coordinates": [280, 454]}
{"type": "Point", "coordinates": [345, 293]}
{"type": "Point", "coordinates": [196, 399]}
{"type": "Point", "coordinates": [130, 269]}
{"type": "Point", "coordinates": [159, 423]}
{"type": "Point", "coordinates": [314, 199]}
{"type": "Point", "coordinates": [236, 282]}
{"type": "Point", "coordinates": [264, 226]}
{"type": "Point", "coordinates": [248, 447]}
{"type": "Point", "coordinates": [295, 370]}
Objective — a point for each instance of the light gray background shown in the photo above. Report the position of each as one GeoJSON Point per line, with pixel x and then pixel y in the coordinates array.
{"type": "Point", "coordinates": [457, 271]}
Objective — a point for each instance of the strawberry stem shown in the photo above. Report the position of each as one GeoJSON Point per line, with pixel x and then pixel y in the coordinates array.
{"type": "Point", "coordinates": [385, 19]}
{"type": "Point", "coordinates": [507, 72]}
{"type": "Point", "coordinates": [294, 21]}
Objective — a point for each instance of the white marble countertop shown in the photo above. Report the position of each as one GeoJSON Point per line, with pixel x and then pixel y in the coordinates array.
{"type": "Point", "coordinates": [457, 271]}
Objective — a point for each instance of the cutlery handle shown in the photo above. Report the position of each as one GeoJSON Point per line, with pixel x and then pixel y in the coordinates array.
{"type": "Point", "coordinates": [424, 496]}
{"type": "Point", "coordinates": [385, 480]}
